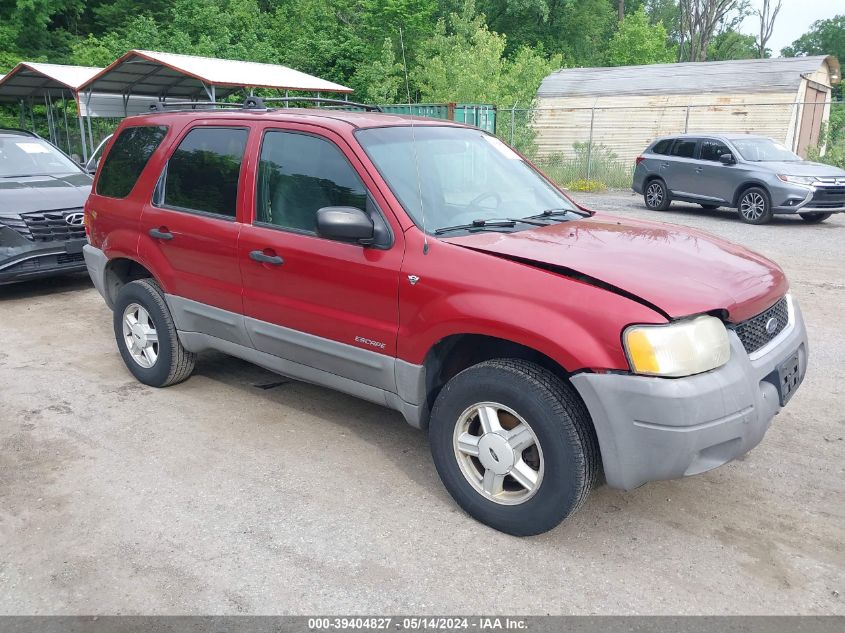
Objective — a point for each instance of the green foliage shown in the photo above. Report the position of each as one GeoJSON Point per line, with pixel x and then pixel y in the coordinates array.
{"type": "Point", "coordinates": [732, 45]}
{"type": "Point", "coordinates": [825, 37]}
{"type": "Point", "coordinates": [587, 186]}
{"type": "Point", "coordinates": [832, 139]}
{"type": "Point", "coordinates": [639, 42]}
{"type": "Point", "coordinates": [464, 61]}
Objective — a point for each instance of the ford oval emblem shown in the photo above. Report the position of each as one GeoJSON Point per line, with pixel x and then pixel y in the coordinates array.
{"type": "Point", "coordinates": [771, 326]}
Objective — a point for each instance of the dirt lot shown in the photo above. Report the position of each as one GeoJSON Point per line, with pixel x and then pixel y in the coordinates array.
{"type": "Point", "coordinates": [233, 493]}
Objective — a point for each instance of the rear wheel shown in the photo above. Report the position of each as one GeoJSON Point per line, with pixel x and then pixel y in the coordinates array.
{"type": "Point", "coordinates": [513, 445]}
{"type": "Point", "coordinates": [656, 195]}
{"type": "Point", "coordinates": [755, 206]}
{"type": "Point", "coordinates": [814, 218]}
{"type": "Point", "coordinates": [146, 336]}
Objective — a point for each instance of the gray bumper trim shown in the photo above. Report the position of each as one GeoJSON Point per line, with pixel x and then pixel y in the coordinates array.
{"type": "Point", "coordinates": [96, 261]}
{"type": "Point", "coordinates": [664, 428]}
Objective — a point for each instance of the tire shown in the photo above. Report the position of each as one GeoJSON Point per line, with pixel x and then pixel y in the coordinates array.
{"type": "Point", "coordinates": [656, 195]}
{"type": "Point", "coordinates": [158, 364]}
{"type": "Point", "coordinates": [710, 207]}
{"type": "Point", "coordinates": [564, 456]}
{"type": "Point", "coordinates": [814, 218]}
{"type": "Point", "coordinates": [755, 206]}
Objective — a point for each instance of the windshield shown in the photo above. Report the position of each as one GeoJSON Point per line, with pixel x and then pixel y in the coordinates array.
{"type": "Point", "coordinates": [763, 150]}
{"type": "Point", "coordinates": [462, 175]}
{"type": "Point", "coordinates": [30, 156]}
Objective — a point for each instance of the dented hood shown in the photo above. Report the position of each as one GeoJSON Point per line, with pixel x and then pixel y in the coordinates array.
{"type": "Point", "coordinates": [679, 271]}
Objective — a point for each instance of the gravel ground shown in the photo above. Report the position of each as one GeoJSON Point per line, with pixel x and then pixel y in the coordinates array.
{"type": "Point", "coordinates": [232, 493]}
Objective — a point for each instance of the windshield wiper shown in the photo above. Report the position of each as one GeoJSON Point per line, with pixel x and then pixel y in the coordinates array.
{"type": "Point", "coordinates": [552, 213]}
{"type": "Point", "coordinates": [489, 224]}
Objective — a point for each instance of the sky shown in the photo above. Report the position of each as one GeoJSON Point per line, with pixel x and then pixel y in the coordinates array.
{"type": "Point", "coordinates": [794, 19]}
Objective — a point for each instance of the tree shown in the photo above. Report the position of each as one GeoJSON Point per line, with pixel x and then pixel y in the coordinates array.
{"type": "Point", "coordinates": [464, 61]}
{"type": "Point", "coordinates": [699, 20]}
{"type": "Point", "coordinates": [768, 13]}
{"type": "Point", "coordinates": [732, 44]}
{"type": "Point", "coordinates": [638, 42]}
{"type": "Point", "coordinates": [825, 37]}
{"type": "Point", "coordinates": [577, 29]}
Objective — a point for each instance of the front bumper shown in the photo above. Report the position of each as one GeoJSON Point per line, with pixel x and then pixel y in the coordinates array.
{"type": "Point", "coordinates": [794, 198]}
{"type": "Point", "coordinates": [22, 259]}
{"type": "Point", "coordinates": [664, 428]}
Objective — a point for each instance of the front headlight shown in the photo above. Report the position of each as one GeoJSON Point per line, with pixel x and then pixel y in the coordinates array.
{"type": "Point", "coordinates": [799, 180]}
{"type": "Point", "coordinates": [678, 349]}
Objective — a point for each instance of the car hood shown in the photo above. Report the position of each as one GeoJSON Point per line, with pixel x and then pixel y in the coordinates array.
{"type": "Point", "coordinates": [678, 271]}
{"type": "Point", "coordinates": [43, 193]}
{"type": "Point", "coordinates": [801, 168]}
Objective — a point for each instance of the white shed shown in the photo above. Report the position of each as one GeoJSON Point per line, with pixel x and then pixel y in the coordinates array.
{"type": "Point", "coordinates": [624, 108]}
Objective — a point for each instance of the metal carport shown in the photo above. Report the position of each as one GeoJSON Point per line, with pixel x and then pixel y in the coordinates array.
{"type": "Point", "coordinates": [172, 76]}
{"type": "Point", "coordinates": [31, 83]}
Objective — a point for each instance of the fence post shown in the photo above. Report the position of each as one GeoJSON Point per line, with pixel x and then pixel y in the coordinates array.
{"type": "Point", "coordinates": [513, 119]}
{"type": "Point", "coordinates": [686, 121]}
{"type": "Point", "coordinates": [590, 142]}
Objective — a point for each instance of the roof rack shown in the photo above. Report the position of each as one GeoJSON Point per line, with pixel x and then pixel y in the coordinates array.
{"type": "Point", "coordinates": [161, 106]}
{"type": "Point", "coordinates": [258, 103]}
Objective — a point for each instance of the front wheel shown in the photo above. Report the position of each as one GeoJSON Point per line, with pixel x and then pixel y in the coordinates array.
{"type": "Point", "coordinates": [514, 446]}
{"type": "Point", "coordinates": [814, 218]}
{"type": "Point", "coordinates": [755, 206]}
{"type": "Point", "coordinates": [146, 336]}
{"type": "Point", "coordinates": [656, 195]}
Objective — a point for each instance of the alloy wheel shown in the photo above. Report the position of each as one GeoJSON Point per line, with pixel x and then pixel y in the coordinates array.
{"type": "Point", "coordinates": [498, 453]}
{"type": "Point", "coordinates": [654, 195]}
{"type": "Point", "coordinates": [140, 336]}
{"type": "Point", "coordinates": [753, 206]}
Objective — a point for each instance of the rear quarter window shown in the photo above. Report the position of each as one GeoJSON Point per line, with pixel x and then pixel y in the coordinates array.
{"type": "Point", "coordinates": [127, 158]}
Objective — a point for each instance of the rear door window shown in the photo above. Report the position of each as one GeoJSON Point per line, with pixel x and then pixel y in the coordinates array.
{"type": "Point", "coordinates": [127, 158]}
{"type": "Point", "coordinates": [202, 174]}
{"type": "Point", "coordinates": [684, 147]}
{"type": "Point", "coordinates": [662, 147]}
{"type": "Point", "coordinates": [711, 149]}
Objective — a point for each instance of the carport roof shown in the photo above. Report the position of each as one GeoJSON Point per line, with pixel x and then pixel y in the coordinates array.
{"type": "Point", "coordinates": [168, 75]}
{"type": "Point", "coordinates": [32, 79]}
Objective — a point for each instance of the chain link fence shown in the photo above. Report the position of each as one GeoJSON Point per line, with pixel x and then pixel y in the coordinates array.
{"type": "Point", "coordinates": [594, 148]}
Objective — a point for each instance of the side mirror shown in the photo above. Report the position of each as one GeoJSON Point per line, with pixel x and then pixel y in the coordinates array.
{"type": "Point", "coordinates": [727, 159]}
{"type": "Point", "coordinates": [345, 224]}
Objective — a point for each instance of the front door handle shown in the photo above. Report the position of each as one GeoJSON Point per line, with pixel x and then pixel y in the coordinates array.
{"type": "Point", "coordinates": [260, 256]}
{"type": "Point", "coordinates": [161, 234]}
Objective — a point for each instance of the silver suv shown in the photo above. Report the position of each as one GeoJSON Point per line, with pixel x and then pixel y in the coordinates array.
{"type": "Point", "coordinates": [753, 174]}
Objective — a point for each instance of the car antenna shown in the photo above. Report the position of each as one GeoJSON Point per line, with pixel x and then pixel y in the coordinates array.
{"type": "Point", "coordinates": [414, 144]}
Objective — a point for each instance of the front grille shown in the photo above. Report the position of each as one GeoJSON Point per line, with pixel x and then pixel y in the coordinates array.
{"type": "Point", "coordinates": [753, 332]}
{"type": "Point", "coordinates": [45, 262]}
{"type": "Point", "coordinates": [828, 197]}
{"type": "Point", "coordinates": [46, 226]}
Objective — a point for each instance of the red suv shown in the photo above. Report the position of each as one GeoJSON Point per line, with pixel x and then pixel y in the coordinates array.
{"type": "Point", "coordinates": [429, 268]}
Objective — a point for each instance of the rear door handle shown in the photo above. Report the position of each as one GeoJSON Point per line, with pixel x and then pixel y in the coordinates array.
{"type": "Point", "coordinates": [161, 234]}
{"type": "Point", "coordinates": [664, 165]}
{"type": "Point", "coordinates": [260, 256]}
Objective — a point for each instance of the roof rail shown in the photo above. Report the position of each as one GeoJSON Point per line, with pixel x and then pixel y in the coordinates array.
{"type": "Point", "coordinates": [260, 101]}
{"type": "Point", "coordinates": [161, 106]}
